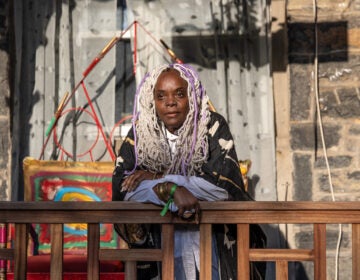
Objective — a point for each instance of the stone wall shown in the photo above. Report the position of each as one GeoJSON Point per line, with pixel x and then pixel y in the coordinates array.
{"type": "Point", "coordinates": [335, 36]}
{"type": "Point", "coordinates": [4, 104]}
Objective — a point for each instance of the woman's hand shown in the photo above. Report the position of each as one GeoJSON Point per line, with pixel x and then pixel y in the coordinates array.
{"type": "Point", "coordinates": [132, 181]}
{"type": "Point", "coordinates": [186, 202]}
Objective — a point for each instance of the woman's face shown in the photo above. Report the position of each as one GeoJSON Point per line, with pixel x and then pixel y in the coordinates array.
{"type": "Point", "coordinates": [171, 99]}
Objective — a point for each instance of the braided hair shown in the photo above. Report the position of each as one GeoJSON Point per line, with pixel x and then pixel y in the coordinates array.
{"type": "Point", "coordinates": [152, 150]}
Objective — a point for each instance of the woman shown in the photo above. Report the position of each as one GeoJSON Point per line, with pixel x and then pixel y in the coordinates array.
{"type": "Point", "coordinates": [178, 149]}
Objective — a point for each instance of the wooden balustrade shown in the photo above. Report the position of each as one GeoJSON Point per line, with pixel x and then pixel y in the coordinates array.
{"type": "Point", "coordinates": [241, 213]}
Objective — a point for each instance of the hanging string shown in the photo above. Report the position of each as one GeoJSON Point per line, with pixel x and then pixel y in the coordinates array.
{"type": "Point", "coordinates": [316, 85]}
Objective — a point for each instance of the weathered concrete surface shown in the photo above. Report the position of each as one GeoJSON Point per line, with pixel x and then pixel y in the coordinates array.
{"type": "Point", "coordinates": [5, 144]}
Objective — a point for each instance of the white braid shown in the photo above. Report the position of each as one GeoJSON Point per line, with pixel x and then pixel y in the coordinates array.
{"type": "Point", "coordinates": [152, 148]}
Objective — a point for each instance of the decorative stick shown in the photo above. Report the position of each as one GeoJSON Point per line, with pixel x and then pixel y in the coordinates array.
{"type": "Point", "coordinates": [171, 52]}
{"type": "Point", "coordinates": [103, 52]}
{"type": "Point", "coordinates": [57, 114]}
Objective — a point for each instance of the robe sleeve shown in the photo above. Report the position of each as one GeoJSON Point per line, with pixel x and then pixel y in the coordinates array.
{"type": "Point", "coordinates": [125, 162]}
{"type": "Point", "coordinates": [222, 167]}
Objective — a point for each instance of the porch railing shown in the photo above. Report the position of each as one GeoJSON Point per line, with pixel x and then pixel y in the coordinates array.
{"type": "Point", "coordinates": [22, 214]}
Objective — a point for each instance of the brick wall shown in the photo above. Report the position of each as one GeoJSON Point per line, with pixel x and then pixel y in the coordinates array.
{"type": "Point", "coordinates": [4, 105]}
{"type": "Point", "coordinates": [338, 30]}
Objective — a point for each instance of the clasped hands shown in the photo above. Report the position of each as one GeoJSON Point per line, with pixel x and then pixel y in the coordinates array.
{"type": "Point", "coordinates": [187, 203]}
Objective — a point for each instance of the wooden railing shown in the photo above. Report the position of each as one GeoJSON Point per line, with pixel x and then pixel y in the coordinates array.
{"type": "Point", "coordinates": [241, 213]}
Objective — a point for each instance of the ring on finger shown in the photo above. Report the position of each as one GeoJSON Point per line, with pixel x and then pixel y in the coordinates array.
{"type": "Point", "coordinates": [188, 214]}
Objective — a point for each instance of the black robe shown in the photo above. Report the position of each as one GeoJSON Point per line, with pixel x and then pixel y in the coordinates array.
{"type": "Point", "coordinates": [221, 169]}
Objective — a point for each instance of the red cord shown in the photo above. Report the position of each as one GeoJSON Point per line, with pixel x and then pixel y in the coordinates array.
{"type": "Point", "coordinates": [62, 149]}
{"type": "Point", "coordinates": [109, 148]}
{"type": "Point", "coordinates": [135, 46]}
{"type": "Point", "coordinates": [123, 119]}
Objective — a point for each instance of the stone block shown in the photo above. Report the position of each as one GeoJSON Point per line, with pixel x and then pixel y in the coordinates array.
{"type": "Point", "coordinates": [334, 162]}
{"type": "Point", "coordinates": [349, 104]}
{"type": "Point", "coordinates": [355, 176]}
{"type": "Point", "coordinates": [4, 143]}
{"type": "Point", "coordinates": [4, 101]}
{"type": "Point", "coordinates": [354, 129]}
{"type": "Point", "coordinates": [328, 10]}
{"type": "Point", "coordinates": [335, 74]}
{"type": "Point", "coordinates": [332, 236]}
{"type": "Point", "coordinates": [305, 239]}
{"type": "Point", "coordinates": [4, 58]}
{"type": "Point", "coordinates": [3, 189]}
{"type": "Point", "coordinates": [302, 178]}
{"type": "Point", "coordinates": [331, 38]}
{"type": "Point", "coordinates": [324, 184]}
{"type": "Point", "coordinates": [306, 137]}
{"type": "Point", "coordinates": [345, 271]}
{"type": "Point", "coordinates": [352, 145]}
{"type": "Point", "coordinates": [300, 102]}
{"type": "Point", "coordinates": [327, 103]}
{"type": "Point", "coordinates": [354, 34]}
{"type": "Point", "coordinates": [344, 197]}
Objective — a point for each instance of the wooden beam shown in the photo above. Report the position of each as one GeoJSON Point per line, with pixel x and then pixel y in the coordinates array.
{"type": "Point", "coordinates": [281, 254]}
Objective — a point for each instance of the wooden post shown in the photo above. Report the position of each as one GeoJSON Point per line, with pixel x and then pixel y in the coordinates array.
{"type": "Point", "coordinates": [355, 251]}
{"type": "Point", "coordinates": [281, 94]}
{"type": "Point", "coordinates": [282, 271]}
{"type": "Point", "coordinates": [20, 253]}
{"type": "Point", "coordinates": [205, 251]}
{"type": "Point", "coordinates": [93, 247]}
{"type": "Point", "coordinates": [56, 265]}
{"type": "Point", "coordinates": [167, 240]}
{"type": "Point", "coordinates": [130, 270]}
{"type": "Point", "coordinates": [243, 248]}
{"type": "Point", "coordinates": [320, 251]}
